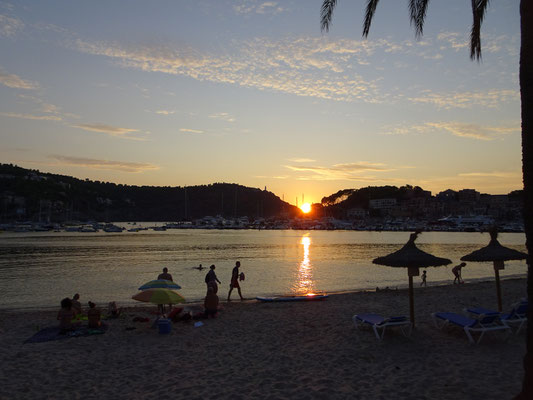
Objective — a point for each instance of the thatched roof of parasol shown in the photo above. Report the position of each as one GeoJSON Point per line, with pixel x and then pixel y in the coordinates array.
{"type": "Point", "coordinates": [494, 251]}
{"type": "Point", "coordinates": [411, 256]}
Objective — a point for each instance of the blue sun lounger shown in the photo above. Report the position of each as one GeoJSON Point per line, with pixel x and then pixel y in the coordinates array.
{"type": "Point", "coordinates": [485, 323]}
{"type": "Point", "coordinates": [517, 315]}
{"type": "Point", "coordinates": [379, 324]}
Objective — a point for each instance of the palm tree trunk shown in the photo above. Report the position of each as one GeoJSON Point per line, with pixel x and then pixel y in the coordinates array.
{"type": "Point", "coordinates": [526, 95]}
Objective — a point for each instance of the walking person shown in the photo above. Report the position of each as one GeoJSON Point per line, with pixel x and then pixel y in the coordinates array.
{"type": "Point", "coordinates": [424, 276]}
{"type": "Point", "coordinates": [211, 279]}
{"type": "Point", "coordinates": [457, 272]}
{"type": "Point", "coordinates": [235, 275]}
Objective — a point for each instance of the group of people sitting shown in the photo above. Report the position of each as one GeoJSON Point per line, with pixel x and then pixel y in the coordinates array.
{"type": "Point", "coordinates": [71, 314]}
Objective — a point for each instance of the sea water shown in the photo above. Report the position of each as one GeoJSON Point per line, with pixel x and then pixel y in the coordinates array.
{"type": "Point", "coordinates": [38, 269]}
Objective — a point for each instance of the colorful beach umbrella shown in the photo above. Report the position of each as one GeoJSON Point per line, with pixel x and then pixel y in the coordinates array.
{"type": "Point", "coordinates": [496, 253]}
{"type": "Point", "coordinates": [159, 296]}
{"type": "Point", "coordinates": [412, 258]}
{"type": "Point", "coordinates": [160, 283]}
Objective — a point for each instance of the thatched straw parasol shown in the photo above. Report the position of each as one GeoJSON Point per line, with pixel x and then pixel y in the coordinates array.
{"type": "Point", "coordinates": [496, 253]}
{"type": "Point", "coordinates": [411, 257]}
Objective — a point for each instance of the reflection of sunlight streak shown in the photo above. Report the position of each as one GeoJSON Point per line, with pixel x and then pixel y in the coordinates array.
{"type": "Point", "coordinates": [305, 273]}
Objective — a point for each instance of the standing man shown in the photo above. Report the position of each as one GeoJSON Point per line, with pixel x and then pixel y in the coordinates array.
{"type": "Point", "coordinates": [235, 281]}
{"type": "Point", "coordinates": [457, 272]}
{"type": "Point", "coordinates": [165, 275]}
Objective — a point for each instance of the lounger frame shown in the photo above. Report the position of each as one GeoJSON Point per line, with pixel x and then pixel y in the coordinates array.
{"type": "Point", "coordinates": [379, 328]}
{"type": "Point", "coordinates": [486, 323]}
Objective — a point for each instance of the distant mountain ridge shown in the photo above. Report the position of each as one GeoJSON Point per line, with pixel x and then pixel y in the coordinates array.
{"type": "Point", "coordinates": [34, 195]}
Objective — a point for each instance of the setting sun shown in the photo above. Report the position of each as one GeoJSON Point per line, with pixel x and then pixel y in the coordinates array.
{"type": "Point", "coordinates": [306, 207]}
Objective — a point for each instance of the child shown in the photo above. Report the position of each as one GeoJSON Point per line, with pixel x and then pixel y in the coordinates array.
{"type": "Point", "coordinates": [65, 316]}
{"type": "Point", "coordinates": [113, 311]}
{"type": "Point", "coordinates": [94, 316]}
{"type": "Point", "coordinates": [424, 276]}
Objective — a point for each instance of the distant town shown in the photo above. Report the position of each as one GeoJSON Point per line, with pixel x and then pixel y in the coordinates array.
{"type": "Point", "coordinates": [36, 201]}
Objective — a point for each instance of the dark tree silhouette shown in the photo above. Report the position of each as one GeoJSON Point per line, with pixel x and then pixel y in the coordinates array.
{"type": "Point", "coordinates": [417, 11]}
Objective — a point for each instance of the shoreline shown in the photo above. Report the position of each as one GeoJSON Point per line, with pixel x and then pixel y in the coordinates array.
{"type": "Point", "coordinates": [401, 287]}
{"type": "Point", "coordinates": [253, 350]}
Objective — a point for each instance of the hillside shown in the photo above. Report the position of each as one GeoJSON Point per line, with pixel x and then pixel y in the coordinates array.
{"type": "Point", "coordinates": [34, 195]}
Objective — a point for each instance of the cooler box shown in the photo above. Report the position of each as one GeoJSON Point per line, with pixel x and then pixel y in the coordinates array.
{"type": "Point", "coordinates": [164, 325]}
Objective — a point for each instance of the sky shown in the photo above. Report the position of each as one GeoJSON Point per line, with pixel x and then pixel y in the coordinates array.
{"type": "Point", "coordinates": [180, 93]}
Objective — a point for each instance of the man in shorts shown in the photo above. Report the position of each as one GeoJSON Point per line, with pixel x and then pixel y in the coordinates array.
{"type": "Point", "coordinates": [235, 281]}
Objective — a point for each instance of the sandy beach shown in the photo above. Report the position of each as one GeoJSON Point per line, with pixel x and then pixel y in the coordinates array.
{"type": "Point", "coordinates": [272, 351]}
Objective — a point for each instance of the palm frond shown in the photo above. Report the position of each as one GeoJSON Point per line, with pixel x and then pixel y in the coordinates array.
{"type": "Point", "coordinates": [370, 10]}
{"type": "Point", "coordinates": [326, 13]}
{"type": "Point", "coordinates": [478, 11]}
{"type": "Point", "coordinates": [417, 13]}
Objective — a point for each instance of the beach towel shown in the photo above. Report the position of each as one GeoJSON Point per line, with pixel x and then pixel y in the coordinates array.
{"type": "Point", "coordinates": [52, 333]}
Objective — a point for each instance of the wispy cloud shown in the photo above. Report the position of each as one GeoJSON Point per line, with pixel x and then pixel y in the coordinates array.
{"type": "Point", "coordinates": [165, 112]}
{"type": "Point", "coordinates": [191, 130]}
{"type": "Point", "coordinates": [31, 116]}
{"type": "Point", "coordinates": [475, 131]}
{"type": "Point", "coordinates": [223, 116]}
{"type": "Point", "coordinates": [124, 133]}
{"type": "Point", "coordinates": [287, 66]}
{"type": "Point", "coordinates": [258, 7]}
{"type": "Point", "coordinates": [461, 129]}
{"type": "Point", "coordinates": [9, 26]}
{"type": "Point", "coordinates": [465, 100]}
{"type": "Point", "coordinates": [493, 174]}
{"type": "Point", "coordinates": [104, 164]}
{"type": "Point", "coordinates": [304, 66]}
{"type": "Point", "coordinates": [301, 160]}
{"type": "Point", "coordinates": [348, 171]}
{"type": "Point", "coordinates": [15, 81]}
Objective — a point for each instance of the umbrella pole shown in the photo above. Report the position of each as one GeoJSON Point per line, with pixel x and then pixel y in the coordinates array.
{"type": "Point", "coordinates": [411, 301]}
{"type": "Point", "coordinates": [498, 289]}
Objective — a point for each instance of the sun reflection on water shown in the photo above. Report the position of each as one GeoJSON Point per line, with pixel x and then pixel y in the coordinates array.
{"type": "Point", "coordinates": [304, 283]}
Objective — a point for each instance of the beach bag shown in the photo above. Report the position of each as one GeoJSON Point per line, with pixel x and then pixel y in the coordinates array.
{"type": "Point", "coordinates": [241, 276]}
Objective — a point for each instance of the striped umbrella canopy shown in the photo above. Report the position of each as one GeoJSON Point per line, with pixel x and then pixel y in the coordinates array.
{"type": "Point", "coordinates": [496, 253]}
{"type": "Point", "coordinates": [159, 296]}
{"type": "Point", "coordinates": [412, 258]}
{"type": "Point", "coordinates": [160, 283]}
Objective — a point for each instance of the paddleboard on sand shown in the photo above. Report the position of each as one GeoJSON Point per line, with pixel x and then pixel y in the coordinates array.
{"type": "Point", "coordinates": [294, 298]}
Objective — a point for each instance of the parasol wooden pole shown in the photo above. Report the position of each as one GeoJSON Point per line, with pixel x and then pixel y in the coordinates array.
{"type": "Point", "coordinates": [411, 301]}
{"type": "Point", "coordinates": [497, 267]}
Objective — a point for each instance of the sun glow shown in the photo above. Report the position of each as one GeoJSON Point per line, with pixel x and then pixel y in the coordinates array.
{"type": "Point", "coordinates": [305, 207]}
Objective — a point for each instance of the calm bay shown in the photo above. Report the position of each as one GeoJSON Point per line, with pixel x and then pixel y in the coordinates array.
{"type": "Point", "coordinates": [38, 269]}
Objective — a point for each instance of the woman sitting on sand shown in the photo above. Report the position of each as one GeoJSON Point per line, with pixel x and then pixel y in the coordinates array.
{"type": "Point", "coordinates": [65, 316]}
{"type": "Point", "coordinates": [94, 316]}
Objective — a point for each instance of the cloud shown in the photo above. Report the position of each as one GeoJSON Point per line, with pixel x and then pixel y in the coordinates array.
{"type": "Point", "coordinates": [223, 116]}
{"type": "Point", "coordinates": [165, 112]}
{"type": "Point", "coordinates": [347, 171]}
{"type": "Point", "coordinates": [494, 174]}
{"type": "Point", "coordinates": [16, 82]}
{"type": "Point", "coordinates": [9, 26]}
{"type": "Point", "coordinates": [109, 130]}
{"type": "Point", "coordinates": [191, 130]}
{"type": "Point", "coordinates": [255, 7]}
{"type": "Point", "coordinates": [31, 116]}
{"type": "Point", "coordinates": [461, 129]}
{"type": "Point", "coordinates": [313, 67]}
{"type": "Point", "coordinates": [474, 131]}
{"type": "Point", "coordinates": [104, 164]}
{"type": "Point", "coordinates": [466, 100]}
{"type": "Point", "coordinates": [301, 160]}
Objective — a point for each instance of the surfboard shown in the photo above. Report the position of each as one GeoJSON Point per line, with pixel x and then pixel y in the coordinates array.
{"type": "Point", "coordinates": [293, 298]}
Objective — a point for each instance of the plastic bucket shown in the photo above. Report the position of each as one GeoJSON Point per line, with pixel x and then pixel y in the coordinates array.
{"type": "Point", "coordinates": [164, 325]}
